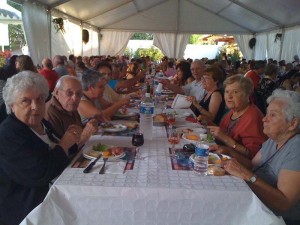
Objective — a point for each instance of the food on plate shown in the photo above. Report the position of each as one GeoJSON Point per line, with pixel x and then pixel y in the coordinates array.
{"type": "Point", "coordinates": [107, 125]}
{"type": "Point", "coordinates": [187, 130]}
{"type": "Point", "coordinates": [213, 159]}
{"type": "Point", "coordinates": [100, 147]}
{"type": "Point", "coordinates": [116, 151]}
{"type": "Point", "coordinates": [215, 170]}
{"type": "Point", "coordinates": [130, 124]}
{"type": "Point", "coordinates": [210, 138]}
{"type": "Point", "coordinates": [192, 137]}
{"type": "Point", "coordinates": [160, 118]}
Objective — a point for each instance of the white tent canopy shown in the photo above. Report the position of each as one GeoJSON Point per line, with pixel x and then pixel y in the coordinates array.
{"type": "Point", "coordinates": [243, 18]}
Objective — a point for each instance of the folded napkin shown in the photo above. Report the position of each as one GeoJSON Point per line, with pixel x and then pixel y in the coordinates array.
{"type": "Point", "coordinates": [110, 167]}
{"type": "Point", "coordinates": [180, 102]}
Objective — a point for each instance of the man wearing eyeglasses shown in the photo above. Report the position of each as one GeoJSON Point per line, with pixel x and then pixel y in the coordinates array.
{"type": "Point", "coordinates": [62, 111]}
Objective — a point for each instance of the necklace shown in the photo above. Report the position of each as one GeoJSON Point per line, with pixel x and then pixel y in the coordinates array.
{"type": "Point", "coordinates": [239, 114]}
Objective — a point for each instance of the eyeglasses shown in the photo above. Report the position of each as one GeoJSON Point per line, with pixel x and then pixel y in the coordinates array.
{"type": "Point", "coordinates": [70, 93]}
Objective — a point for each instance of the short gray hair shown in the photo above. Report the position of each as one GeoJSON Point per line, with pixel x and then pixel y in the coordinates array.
{"type": "Point", "coordinates": [60, 82]}
{"type": "Point", "coordinates": [20, 82]}
{"type": "Point", "coordinates": [90, 78]}
{"type": "Point", "coordinates": [292, 98]}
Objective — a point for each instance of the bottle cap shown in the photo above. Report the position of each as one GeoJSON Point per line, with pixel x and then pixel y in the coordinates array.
{"type": "Point", "coordinates": [201, 150]}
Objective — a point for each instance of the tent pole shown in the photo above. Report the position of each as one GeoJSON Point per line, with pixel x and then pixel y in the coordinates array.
{"type": "Point", "coordinates": [281, 43]}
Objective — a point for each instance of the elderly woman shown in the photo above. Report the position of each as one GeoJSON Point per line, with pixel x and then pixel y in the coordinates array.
{"type": "Point", "coordinates": [93, 84]}
{"type": "Point", "coordinates": [241, 129]}
{"type": "Point", "coordinates": [275, 174]}
{"type": "Point", "coordinates": [211, 107]}
{"type": "Point", "coordinates": [31, 155]}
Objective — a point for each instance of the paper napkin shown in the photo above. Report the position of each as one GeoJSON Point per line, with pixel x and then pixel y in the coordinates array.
{"type": "Point", "coordinates": [180, 102]}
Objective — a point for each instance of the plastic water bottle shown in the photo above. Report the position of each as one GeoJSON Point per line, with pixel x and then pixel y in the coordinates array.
{"type": "Point", "coordinates": [157, 94]}
{"type": "Point", "coordinates": [201, 159]}
{"type": "Point", "coordinates": [146, 116]}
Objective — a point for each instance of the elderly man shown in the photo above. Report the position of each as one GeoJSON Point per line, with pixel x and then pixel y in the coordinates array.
{"type": "Point", "coordinates": [59, 66]}
{"type": "Point", "coordinates": [194, 88]}
{"type": "Point", "coordinates": [50, 75]}
{"type": "Point", "coordinates": [62, 111]}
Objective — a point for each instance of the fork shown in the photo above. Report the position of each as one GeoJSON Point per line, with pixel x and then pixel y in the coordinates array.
{"type": "Point", "coordinates": [102, 171]}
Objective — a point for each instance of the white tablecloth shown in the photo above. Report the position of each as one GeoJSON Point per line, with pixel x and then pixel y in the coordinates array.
{"type": "Point", "coordinates": [151, 193]}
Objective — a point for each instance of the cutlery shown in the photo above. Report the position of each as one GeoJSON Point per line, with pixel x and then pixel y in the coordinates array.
{"type": "Point", "coordinates": [90, 166]}
{"type": "Point", "coordinates": [220, 156]}
{"type": "Point", "coordinates": [102, 171]}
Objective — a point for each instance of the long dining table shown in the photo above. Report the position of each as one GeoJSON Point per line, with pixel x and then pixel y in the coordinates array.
{"type": "Point", "coordinates": [150, 193]}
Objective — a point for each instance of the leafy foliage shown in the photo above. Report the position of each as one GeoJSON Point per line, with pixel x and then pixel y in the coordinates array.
{"type": "Point", "coordinates": [142, 36]}
{"type": "Point", "coordinates": [154, 53]}
{"type": "Point", "coordinates": [195, 38]}
{"type": "Point", "coordinates": [231, 50]}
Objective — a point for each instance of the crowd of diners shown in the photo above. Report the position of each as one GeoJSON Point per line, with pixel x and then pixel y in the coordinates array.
{"type": "Point", "coordinates": [47, 113]}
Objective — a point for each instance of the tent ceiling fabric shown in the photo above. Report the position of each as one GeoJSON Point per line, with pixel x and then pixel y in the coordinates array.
{"type": "Point", "coordinates": [183, 16]}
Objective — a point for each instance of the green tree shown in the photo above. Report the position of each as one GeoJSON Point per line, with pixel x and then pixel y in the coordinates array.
{"type": "Point", "coordinates": [142, 36]}
{"type": "Point", "coordinates": [195, 38]}
{"type": "Point", "coordinates": [16, 33]}
{"type": "Point", "coordinates": [154, 53]}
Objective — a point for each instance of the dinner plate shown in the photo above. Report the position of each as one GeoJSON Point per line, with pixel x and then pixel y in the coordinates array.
{"type": "Point", "coordinates": [212, 157]}
{"type": "Point", "coordinates": [126, 115]}
{"type": "Point", "coordinates": [185, 137]}
{"type": "Point", "coordinates": [114, 128]}
{"type": "Point", "coordinates": [186, 130]}
{"type": "Point", "coordinates": [89, 153]}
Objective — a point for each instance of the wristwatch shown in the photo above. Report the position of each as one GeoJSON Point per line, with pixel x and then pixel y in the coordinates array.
{"type": "Point", "coordinates": [252, 180]}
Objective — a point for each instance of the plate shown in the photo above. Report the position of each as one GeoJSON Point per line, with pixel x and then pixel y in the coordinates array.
{"type": "Point", "coordinates": [126, 115]}
{"type": "Point", "coordinates": [115, 128]}
{"type": "Point", "coordinates": [190, 140]}
{"type": "Point", "coordinates": [89, 153]}
{"type": "Point", "coordinates": [213, 159]}
{"type": "Point", "coordinates": [186, 130]}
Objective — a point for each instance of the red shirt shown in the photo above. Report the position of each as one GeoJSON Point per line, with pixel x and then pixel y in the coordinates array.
{"type": "Point", "coordinates": [248, 130]}
{"type": "Point", "coordinates": [51, 76]}
{"type": "Point", "coordinates": [254, 77]}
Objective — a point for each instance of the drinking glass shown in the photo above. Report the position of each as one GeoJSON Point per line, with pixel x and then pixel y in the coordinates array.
{"type": "Point", "coordinates": [171, 119]}
{"type": "Point", "coordinates": [137, 141]}
{"type": "Point", "coordinates": [173, 138]}
{"type": "Point", "coordinates": [162, 104]}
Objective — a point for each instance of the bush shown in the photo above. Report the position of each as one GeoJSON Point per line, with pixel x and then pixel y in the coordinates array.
{"type": "Point", "coordinates": [154, 53]}
{"type": "Point", "coordinates": [3, 57]}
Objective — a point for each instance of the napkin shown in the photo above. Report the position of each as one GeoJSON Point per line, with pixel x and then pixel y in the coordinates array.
{"type": "Point", "coordinates": [180, 102]}
{"type": "Point", "coordinates": [110, 167]}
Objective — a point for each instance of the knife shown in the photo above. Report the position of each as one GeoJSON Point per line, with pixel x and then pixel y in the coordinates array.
{"type": "Point", "coordinates": [90, 166]}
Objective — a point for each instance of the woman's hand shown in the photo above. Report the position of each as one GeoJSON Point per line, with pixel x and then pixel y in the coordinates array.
{"type": "Point", "coordinates": [220, 149]}
{"type": "Point", "coordinates": [71, 137]}
{"type": "Point", "coordinates": [193, 100]}
{"type": "Point", "coordinates": [217, 133]}
{"type": "Point", "coordinates": [236, 169]}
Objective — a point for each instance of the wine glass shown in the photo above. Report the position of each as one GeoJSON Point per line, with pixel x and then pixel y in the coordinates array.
{"type": "Point", "coordinates": [173, 138]}
{"type": "Point", "coordinates": [162, 104]}
{"type": "Point", "coordinates": [171, 119]}
{"type": "Point", "coordinates": [137, 141]}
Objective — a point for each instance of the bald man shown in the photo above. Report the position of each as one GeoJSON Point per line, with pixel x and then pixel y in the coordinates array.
{"type": "Point", "coordinates": [194, 88]}
{"type": "Point", "coordinates": [48, 72]}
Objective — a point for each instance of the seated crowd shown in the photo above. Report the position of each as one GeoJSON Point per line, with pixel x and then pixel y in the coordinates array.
{"type": "Point", "coordinates": [47, 114]}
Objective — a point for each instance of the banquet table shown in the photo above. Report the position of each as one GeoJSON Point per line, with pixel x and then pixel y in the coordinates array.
{"type": "Point", "coordinates": [152, 193]}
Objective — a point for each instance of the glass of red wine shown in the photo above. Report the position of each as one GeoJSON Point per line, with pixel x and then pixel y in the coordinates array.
{"type": "Point", "coordinates": [137, 141]}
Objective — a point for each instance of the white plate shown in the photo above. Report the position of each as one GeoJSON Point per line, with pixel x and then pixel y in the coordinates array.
{"type": "Point", "coordinates": [126, 115]}
{"type": "Point", "coordinates": [192, 157]}
{"type": "Point", "coordinates": [87, 154]}
{"type": "Point", "coordinates": [186, 130]}
{"type": "Point", "coordinates": [189, 140]}
{"type": "Point", "coordinates": [115, 128]}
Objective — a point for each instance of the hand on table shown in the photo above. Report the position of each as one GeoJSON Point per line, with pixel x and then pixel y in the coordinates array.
{"type": "Point", "coordinates": [220, 149]}
{"type": "Point", "coordinates": [236, 169]}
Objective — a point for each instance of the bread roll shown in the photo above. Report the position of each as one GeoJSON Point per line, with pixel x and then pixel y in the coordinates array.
{"type": "Point", "coordinates": [215, 170]}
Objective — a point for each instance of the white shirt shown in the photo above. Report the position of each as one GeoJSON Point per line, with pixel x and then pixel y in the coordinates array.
{"type": "Point", "coordinates": [194, 89]}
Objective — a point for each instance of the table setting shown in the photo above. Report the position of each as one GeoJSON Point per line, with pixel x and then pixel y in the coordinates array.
{"type": "Point", "coordinates": [150, 182]}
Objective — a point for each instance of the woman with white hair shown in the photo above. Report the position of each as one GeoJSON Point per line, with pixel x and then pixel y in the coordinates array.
{"type": "Point", "coordinates": [274, 173]}
{"type": "Point", "coordinates": [30, 153]}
